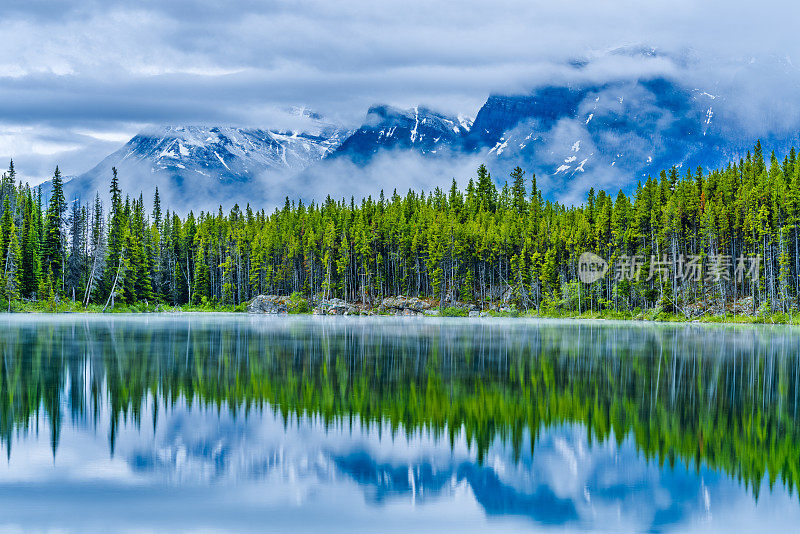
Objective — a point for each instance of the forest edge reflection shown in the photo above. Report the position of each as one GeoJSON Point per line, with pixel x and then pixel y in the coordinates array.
{"type": "Point", "coordinates": [720, 397]}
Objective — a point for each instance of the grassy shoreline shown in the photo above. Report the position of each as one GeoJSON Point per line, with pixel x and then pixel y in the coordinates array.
{"type": "Point", "coordinates": [76, 307]}
{"type": "Point", "coordinates": [659, 316]}
{"type": "Point", "coordinates": [655, 315]}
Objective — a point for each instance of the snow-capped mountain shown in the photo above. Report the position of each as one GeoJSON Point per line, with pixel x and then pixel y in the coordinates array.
{"type": "Point", "coordinates": [419, 129]}
{"type": "Point", "coordinates": [186, 161]}
{"type": "Point", "coordinates": [615, 133]}
{"type": "Point", "coordinates": [573, 134]}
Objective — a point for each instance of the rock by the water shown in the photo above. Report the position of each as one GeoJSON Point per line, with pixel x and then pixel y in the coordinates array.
{"type": "Point", "coordinates": [269, 304]}
{"type": "Point", "coordinates": [335, 307]}
{"type": "Point", "coordinates": [401, 305]}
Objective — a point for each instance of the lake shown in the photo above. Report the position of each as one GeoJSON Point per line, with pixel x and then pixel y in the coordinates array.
{"type": "Point", "coordinates": [236, 423]}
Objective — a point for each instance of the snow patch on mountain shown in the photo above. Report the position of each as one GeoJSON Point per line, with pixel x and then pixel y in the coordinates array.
{"type": "Point", "coordinates": [190, 163]}
{"type": "Point", "coordinates": [417, 129]}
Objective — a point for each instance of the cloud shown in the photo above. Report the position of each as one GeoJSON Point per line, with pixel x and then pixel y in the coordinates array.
{"type": "Point", "coordinates": [115, 66]}
{"type": "Point", "coordinates": [387, 171]}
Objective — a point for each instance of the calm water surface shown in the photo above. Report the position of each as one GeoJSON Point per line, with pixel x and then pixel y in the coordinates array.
{"type": "Point", "coordinates": [236, 423]}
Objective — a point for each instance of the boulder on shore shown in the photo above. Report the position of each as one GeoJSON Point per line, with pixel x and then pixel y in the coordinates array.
{"type": "Point", "coordinates": [335, 307]}
{"type": "Point", "coordinates": [269, 304]}
{"type": "Point", "coordinates": [401, 305]}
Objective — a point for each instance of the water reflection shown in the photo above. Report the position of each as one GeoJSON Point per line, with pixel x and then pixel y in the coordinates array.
{"type": "Point", "coordinates": [318, 422]}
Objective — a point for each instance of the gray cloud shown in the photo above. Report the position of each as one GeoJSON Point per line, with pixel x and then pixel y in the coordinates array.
{"type": "Point", "coordinates": [109, 68]}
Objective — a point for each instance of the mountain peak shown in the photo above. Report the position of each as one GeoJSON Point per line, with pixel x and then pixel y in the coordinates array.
{"type": "Point", "coordinates": [215, 160]}
{"type": "Point", "coordinates": [419, 129]}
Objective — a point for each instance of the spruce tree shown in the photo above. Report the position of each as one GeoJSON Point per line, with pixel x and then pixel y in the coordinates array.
{"type": "Point", "coordinates": [12, 268]}
{"type": "Point", "coordinates": [54, 239]}
{"type": "Point", "coordinates": [76, 259]}
{"type": "Point", "coordinates": [117, 227]}
{"type": "Point", "coordinates": [486, 190]}
{"type": "Point", "coordinates": [6, 222]}
{"type": "Point", "coordinates": [31, 265]}
{"type": "Point", "coordinates": [7, 185]}
{"type": "Point", "coordinates": [518, 191]}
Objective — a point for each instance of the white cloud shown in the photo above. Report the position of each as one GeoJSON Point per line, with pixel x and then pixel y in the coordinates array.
{"type": "Point", "coordinates": [88, 66]}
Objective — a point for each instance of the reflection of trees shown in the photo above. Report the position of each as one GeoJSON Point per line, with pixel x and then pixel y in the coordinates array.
{"type": "Point", "coordinates": [723, 397]}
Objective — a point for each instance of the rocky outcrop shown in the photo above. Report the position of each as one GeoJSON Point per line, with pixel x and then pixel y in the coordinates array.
{"type": "Point", "coordinates": [335, 307]}
{"type": "Point", "coordinates": [401, 305]}
{"type": "Point", "coordinates": [269, 304]}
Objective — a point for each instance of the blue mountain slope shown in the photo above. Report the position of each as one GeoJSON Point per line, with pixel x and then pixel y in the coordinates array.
{"type": "Point", "coordinates": [418, 129]}
{"type": "Point", "coordinates": [612, 134]}
{"type": "Point", "coordinates": [573, 135]}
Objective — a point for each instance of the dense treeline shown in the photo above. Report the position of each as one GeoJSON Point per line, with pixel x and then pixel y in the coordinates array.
{"type": "Point", "coordinates": [479, 245]}
{"type": "Point", "coordinates": [725, 398]}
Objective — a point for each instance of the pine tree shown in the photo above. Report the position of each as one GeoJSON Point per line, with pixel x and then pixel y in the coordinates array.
{"type": "Point", "coordinates": [76, 259]}
{"type": "Point", "coordinates": [518, 189]}
{"type": "Point", "coordinates": [31, 266]}
{"type": "Point", "coordinates": [54, 239]}
{"type": "Point", "coordinates": [156, 209]}
{"type": "Point", "coordinates": [7, 191]}
{"type": "Point", "coordinates": [486, 190]}
{"type": "Point", "coordinates": [12, 269]}
{"type": "Point", "coordinates": [6, 222]}
{"type": "Point", "coordinates": [117, 228]}
{"type": "Point", "coordinates": [202, 283]}
{"type": "Point", "coordinates": [96, 259]}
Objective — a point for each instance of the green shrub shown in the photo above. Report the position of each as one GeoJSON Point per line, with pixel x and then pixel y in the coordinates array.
{"type": "Point", "coordinates": [453, 312]}
{"type": "Point", "coordinates": [298, 304]}
{"type": "Point", "coordinates": [497, 313]}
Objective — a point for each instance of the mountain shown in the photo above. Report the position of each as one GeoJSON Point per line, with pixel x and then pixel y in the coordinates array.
{"type": "Point", "coordinates": [419, 129]}
{"type": "Point", "coordinates": [574, 134]}
{"type": "Point", "coordinates": [612, 134]}
{"type": "Point", "coordinates": [187, 162]}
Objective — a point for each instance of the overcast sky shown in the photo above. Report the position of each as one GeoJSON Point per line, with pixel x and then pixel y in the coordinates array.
{"type": "Point", "coordinates": [77, 79]}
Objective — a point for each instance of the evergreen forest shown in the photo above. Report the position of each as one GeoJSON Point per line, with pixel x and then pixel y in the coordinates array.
{"type": "Point", "coordinates": [485, 244]}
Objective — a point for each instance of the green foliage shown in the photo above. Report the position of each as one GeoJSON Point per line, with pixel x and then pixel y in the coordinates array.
{"type": "Point", "coordinates": [298, 304]}
{"type": "Point", "coordinates": [453, 312]}
{"type": "Point", "coordinates": [479, 245]}
{"type": "Point", "coordinates": [54, 239]}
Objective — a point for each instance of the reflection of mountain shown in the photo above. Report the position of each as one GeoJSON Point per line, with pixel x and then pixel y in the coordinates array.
{"type": "Point", "coordinates": [566, 480]}
{"type": "Point", "coordinates": [424, 480]}
{"type": "Point", "coordinates": [719, 397]}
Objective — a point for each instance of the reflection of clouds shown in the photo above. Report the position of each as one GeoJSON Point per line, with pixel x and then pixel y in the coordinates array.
{"type": "Point", "coordinates": [198, 461]}
{"type": "Point", "coordinates": [201, 446]}
{"type": "Point", "coordinates": [566, 480]}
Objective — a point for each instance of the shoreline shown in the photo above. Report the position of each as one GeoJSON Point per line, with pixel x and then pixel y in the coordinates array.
{"type": "Point", "coordinates": [650, 316]}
